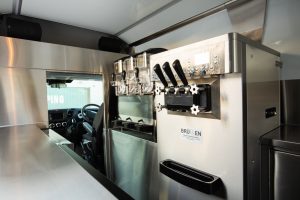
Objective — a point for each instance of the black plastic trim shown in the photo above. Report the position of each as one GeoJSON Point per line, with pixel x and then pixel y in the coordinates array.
{"type": "Point", "coordinates": [193, 178]}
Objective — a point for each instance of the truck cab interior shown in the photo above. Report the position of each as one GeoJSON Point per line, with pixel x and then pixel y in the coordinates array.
{"type": "Point", "coordinates": [75, 111]}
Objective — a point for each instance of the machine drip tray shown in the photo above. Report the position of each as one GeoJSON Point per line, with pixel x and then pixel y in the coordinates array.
{"type": "Point", "coordinates": [190, 177]}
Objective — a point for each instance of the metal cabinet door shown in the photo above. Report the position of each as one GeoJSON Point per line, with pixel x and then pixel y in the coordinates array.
{"type": "Point", "coordinates": [286, 176]}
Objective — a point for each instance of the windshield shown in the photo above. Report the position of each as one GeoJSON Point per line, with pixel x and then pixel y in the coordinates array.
{"type": "Point", "coordinates": [75, 94]}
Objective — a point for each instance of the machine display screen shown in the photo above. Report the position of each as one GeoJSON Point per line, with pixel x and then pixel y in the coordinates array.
{"type": "Point", "coordinates": [202, 58]}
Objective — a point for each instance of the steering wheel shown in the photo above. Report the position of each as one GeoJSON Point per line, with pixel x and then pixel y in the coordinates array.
{"type": "Point", "coordinates": [83, 111]}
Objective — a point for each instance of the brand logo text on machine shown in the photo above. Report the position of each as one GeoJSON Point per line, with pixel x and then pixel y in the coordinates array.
{"type": "Point", "coordinates": [191, 134]}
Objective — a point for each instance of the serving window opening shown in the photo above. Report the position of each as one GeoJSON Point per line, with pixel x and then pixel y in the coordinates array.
{"type": "Point", "coordinates": [75, 111]}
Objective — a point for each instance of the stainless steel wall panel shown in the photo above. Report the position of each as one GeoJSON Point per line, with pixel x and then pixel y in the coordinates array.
{"type": "Point", "coordinates": [27, 54]}
{"type": "Point", "coordinates": [282, 32]}
{"type": "Point", "coordinates": [86, 60]}
{"type": "Point", "coordinates": [22, 94]}
{"type": "Point", "coordinates": [290, 103]}
{"type": "Point", "coordinates": [23, 97]}
{"type": "Point", "coordinates": [263, 92]}
{"type": "Point", "coordinates": [38, 55]}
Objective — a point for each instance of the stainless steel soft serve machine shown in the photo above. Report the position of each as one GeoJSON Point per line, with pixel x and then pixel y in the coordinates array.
{"type": "Point", "coordinates": [214, 98]}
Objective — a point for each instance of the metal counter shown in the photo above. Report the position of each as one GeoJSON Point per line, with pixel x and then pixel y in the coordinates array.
{"type": "Point", "coordinates": [285, 138]}
{"type": "Point", "coordinates": [58, 139]}
{"type": "Point", "coordinates": [31, 167]}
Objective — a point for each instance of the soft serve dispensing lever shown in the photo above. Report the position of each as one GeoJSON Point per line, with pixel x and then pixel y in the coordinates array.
{"type": "Point", "coordinates": [113, 77]}
{"type": "Point", "coordinates": [137, 80]}
{"type": "Point", "coordinates": [123, 76]}
{"type": "Point", "coordinates": [123, 85]}
{"type": "Point", "coordinates": [178, 68]}
{"type": "Point", "coordinates": [166, 67]}
{"type": "Point", "coordinates": [161, 77]}
{"type": "Point", "coordinates": [136, 74]}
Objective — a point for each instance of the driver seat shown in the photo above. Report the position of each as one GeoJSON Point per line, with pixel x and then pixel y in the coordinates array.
{"type": "Point", "coordinates": [96, 127]}
{"type": "Point", "coordinates": [92, 141]}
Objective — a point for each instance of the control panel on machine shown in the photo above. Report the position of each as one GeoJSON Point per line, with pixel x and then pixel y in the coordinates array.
{"type": "Point", "coordinates": [189, 77]}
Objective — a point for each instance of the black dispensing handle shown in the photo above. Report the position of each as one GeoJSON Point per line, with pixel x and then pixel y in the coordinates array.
{"type": "Point", "coordinates": [178, 68]}
{"type": "Point", "coordinates": [190, 177]}
{"type": "Point", "coordinates": [166, 67]}
{"type": "Point", "coordinates": [113, 76]}
{"type": "Point", "coordinates": [136, 73]}
{"type": "Point", "coordinates": [123, 75]}
{"type": "Point", "coordinates": [160, 75]}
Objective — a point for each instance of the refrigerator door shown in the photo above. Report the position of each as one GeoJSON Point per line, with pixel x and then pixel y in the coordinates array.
{"type": "Point", "coordinates": [286, 176]}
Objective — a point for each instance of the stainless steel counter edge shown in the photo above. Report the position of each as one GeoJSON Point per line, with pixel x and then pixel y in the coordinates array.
{"type": "Point", "coordinates": [32, 167]}
{"type": "Point", "coordinates": [109, 185]}
{"type": "Point", "coordinates": [284, 138]}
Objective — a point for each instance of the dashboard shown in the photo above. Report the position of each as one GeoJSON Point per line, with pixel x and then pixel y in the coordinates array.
{"type": "Point", "coordinates": [61, 119]}
{"type": "Point", "coordinates": [68, 122]}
